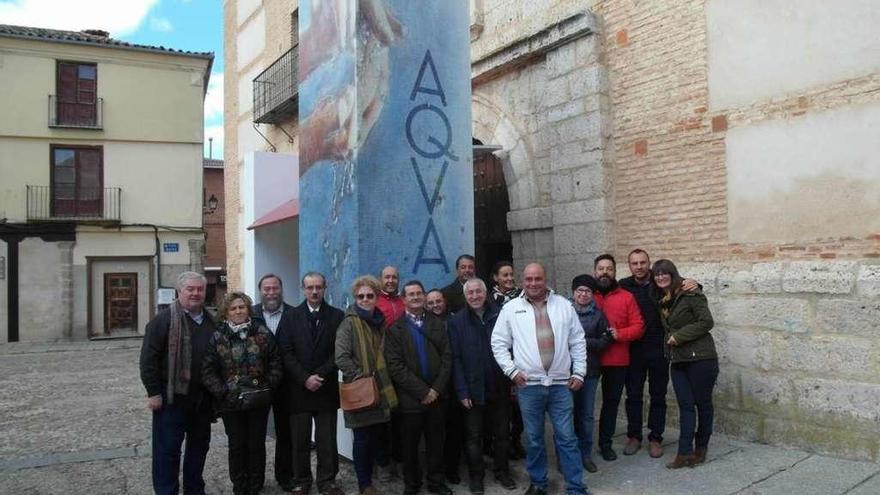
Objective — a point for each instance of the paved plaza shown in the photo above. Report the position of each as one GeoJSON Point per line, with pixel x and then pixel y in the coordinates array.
{"type": "Point", "coordinates": [73, 421]}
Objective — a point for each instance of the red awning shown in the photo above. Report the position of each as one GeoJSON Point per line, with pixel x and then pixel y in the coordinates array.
{"type": "Point", "coordinates": [284, 212]}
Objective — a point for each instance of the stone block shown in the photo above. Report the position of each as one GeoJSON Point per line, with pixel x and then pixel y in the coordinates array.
{"type": "Point", "coordinates": [736, 278]}
{"type": "Point", "coordinates": [859, 317]}
{"type": "Point", "coordinates": [561, 60]}
{"type": "Point", "coordinates": [774, 313]}
{"type": "Point", "coordinates": [829, 277]}
{"type": "Point", "coordinates": [846, 401]}
{"type": "Point", "coordinates": [544, 244]}
{"type": "Point", "coordinates": [580, 127]}
{"type": "Point", "coordinates": [870, 486]}
{"type": "Point", "coordinates": [527, 241]}
{"type": "Point", "coordinates": [530, 219]}
{"type": "Point", "coordinates": [868, 282]}
{"type": "Point", "coordinates": [727, 388]}
{"type": "Point", "coordinates": [741, 424]}
{"type": "Point", "coordinates": [566, 110]}
{"type": "Point", "coordinates": [739, 346]}
{"type": "Point", "coordinates": [817, 475]}
{"type": "Point", "coordinates": [820, 439]}
{"type": "Point", "coordinates": [590, 210]}
{"type": "Point", "coordinates": [590, 182]}
{"type": "Point", "coordinates": [589, 81]}
{"type": "Point", "coordinates": [569, 266]}
{"type": "Point", "coordinates": [823, 354]}
{"type": "Point", "coordinates": [580, 238]}
{"type": "Point", "coordinates": [556, 92]}
{"type": "Point", "coordinates": [587, 49]}
{"type": "Point", "coordinates": [561, 187]}
{"type": "Point", "coordinates": [766, 393]}
{"type": "Point", "coordinates": [704, 273]}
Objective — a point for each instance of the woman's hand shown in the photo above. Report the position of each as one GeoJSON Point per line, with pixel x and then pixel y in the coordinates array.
{"type": "Point", "coordinates": [671, 340]}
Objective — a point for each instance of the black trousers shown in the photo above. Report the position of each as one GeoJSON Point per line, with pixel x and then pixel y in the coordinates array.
{"type": "Point", "coordinates": [494, 415]}
{"type": "Point", "coordinates": [246, 431]}
{"type": "Point", "coordinates": [325, 440]}
{"type": "Point", "coordinates": [455, 433]}
{"type": "Point", "coordinates": [613, 380]}
{"type": "Point", "coordinates": [414, 426]}
{"type": "Point", "coordinates": [395, 435]}
{"type": "Point", "coordinates": [283, 440]}
{"type": "Point", "coordinates": [653, 367]}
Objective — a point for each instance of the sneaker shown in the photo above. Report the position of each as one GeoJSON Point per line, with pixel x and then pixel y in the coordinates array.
{"type": "Point", "coordinates": [608, 454]}
{"type": "Point", "coordinates": [632, 446]}
{"type": "Point", "coordinates": [505, 480]}
{"type": "Point", "coordinates": [589, 465]}
{"type": "Point", "coordinates": [655, 449]}
{"type": "Point", "coordinates": [534, 490]}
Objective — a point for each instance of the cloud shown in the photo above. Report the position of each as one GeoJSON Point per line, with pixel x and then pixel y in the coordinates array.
{"type": "Point", "coordinates": [118, 17]}
{"type": "Point", "coordinates": [216, 132]}
{"type": "Point", "coordinates": [214, 97]}
{"type": "Point", "coordinates": [161, 24]}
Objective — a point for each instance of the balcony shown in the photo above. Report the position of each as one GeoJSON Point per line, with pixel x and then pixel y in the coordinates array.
{"type": "Point", "coordinates": [74, 204]}
{"type": "Point", "coordinates": [76, 115]}
{"type": "Point", "coordinates": [276, 90]}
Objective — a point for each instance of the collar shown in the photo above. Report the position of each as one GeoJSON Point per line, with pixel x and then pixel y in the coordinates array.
{"type": "Point", "coordinates": [314, 310]}
{"type": "Point", "coordinates": [273, 313]}
{"type": "Point", "coordinates": [542, 300]}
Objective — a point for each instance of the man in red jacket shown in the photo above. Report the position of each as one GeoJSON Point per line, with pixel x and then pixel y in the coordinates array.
{"type": "Point", "coordinates": [389, 302]}
{"type": "Point", "coordinates": [625, 324]}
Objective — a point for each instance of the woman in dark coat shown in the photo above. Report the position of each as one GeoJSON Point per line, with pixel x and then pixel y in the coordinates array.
{"type": "Point", "coordinates": [242, 366]}
{"type": "Point", "coordinates": [694, 361]}
{"type": "Point", "coordinates": [360, 341]}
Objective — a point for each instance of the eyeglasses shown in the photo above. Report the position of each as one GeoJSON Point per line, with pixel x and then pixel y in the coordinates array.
{"type": "Point", "coordinates": [366, 296]}
{"type": "Point", "coordinates": [583, 290]}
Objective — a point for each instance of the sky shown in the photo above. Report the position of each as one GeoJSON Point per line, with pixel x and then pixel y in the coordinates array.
{"type": "Point", "coordinates": [194, 25]}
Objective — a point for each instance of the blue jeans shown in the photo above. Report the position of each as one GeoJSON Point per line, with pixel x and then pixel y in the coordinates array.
{"type": "Point", "coordinates": [190, 416]}
{"type": "Point", "coordinates": [693, 383]}
{"type": "Point", "coordinates": [536, 401]}
{"type": "Point", "coordinates": [584, 406]}
{"type": "Point", "coordinates": [370, 444]}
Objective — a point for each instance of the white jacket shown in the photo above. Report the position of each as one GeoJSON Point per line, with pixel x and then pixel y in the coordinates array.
{"type": "Point", "coordinates": [515, 329]}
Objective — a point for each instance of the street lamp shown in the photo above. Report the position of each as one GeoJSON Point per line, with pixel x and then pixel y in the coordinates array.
{"type": "Point", "coordinates": [212, 204]}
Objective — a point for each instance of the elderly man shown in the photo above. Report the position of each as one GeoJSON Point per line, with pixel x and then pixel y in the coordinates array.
{"type": "Point", "coordinates": [175, 342]}
{"type": "Point", "coordinates": [419, 361]}
{"type": "Point", "coordinates": [480, 385]}
{"type": "Point", "coordinates": [548, 361]}
{"type": "Point", "coordinates": [465, 269]}
{"type": "Point", "coordinates": [308, 343]}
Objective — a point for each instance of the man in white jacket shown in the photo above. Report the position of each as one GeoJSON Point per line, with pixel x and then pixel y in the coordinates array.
{"type": "Point", "coordinates": [549, 359]}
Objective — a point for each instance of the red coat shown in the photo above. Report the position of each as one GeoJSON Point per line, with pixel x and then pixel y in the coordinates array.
{"type": "Point", "coordinates": [623, 314]}
{"type": "Point", "coordinates": [392, 308]}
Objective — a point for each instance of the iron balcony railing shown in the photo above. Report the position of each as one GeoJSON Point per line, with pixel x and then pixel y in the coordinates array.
{"type": "Point", "coordinates": [69, 203]}
{"type": "Point", "coordinates": [276, 88]}
{"type": "Point", "coordinates": [76, 115]}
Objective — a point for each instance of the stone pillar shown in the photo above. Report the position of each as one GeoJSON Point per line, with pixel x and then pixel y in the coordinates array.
{"type": "Point", "coordinates": [385, 139]}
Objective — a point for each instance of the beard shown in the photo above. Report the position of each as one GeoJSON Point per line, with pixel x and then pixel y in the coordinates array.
{"type": "Point", "coordinates": [607, 283]}
{"type": "Point", "coordinates": [271, 303]}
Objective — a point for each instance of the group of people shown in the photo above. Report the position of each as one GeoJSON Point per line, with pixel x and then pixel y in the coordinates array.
{"type": "Point", "coordinates": [465, 369]}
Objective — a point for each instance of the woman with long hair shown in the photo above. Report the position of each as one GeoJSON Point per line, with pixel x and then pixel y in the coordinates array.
{"type": "Point", "coordinates": [694, 361]}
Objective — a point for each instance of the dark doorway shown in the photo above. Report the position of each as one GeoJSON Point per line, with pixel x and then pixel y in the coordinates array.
{"type": "Point", "coordinates": [491, 204]}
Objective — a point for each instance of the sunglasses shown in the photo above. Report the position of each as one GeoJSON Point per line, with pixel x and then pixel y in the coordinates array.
{"type": "Point", "coordinates": [366, 296]}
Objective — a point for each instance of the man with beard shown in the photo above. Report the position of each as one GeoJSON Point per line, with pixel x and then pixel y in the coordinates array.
{"type": "Point", "coordinates": [277, 316]}
{"type": "Point", "coordinates": [465, 268]}
{"type": "Point", "coordinates": [625, 324]}
{"type": "Point", "coordinates": [308, 341]}
{"type": "Point", "coordinates": [389, 302]}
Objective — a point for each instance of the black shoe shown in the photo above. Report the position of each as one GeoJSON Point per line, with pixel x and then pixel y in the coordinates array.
{"type": "Point", "coordinates": [453, 478]}
{"type": "Point", "coordinates": [412, 490]}
{"type": "Point", "coordinates": [516, 450]}
{"type": "Point", "coordinates": [476, 487]}
{"type": "Point", "coordinates": [590, 466]}
{"type": "Point", "coordinates": [608, 454]}
{"type": "Point", "coordinates": [505, 480]}
{"type": "Point", "coordinates": [534, 490]}
{"type": "Point", "coordinates": [439, 490]}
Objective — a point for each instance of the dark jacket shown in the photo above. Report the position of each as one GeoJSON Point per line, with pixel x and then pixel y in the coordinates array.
{"type": "Point", "coordinates": [405, 369]}
{"type": "Point", "coordinates": [690, 321]}
{"type": "Point", "coordinates": [646, 296]}
{"type": "Point", "coordinates": [233, 364]}
{"type": "Point", "coordinates": [475, 372]}
{"type": "Point", "coordinates": [454, 294]}
{"type": "Point", "coordinates": [305, 354]}
{"type": "Point", "coordinates": [596, 334]}
{"type": "Point", "coordinates": [154, 351]}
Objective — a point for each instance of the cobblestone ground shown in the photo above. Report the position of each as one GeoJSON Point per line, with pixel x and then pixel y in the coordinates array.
{"type": "Point", "coordinates": [73, 421]}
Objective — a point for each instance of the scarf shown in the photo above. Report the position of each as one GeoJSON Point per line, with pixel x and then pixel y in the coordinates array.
{"type": "Point", "coordinates": [241, 329]}
{"type": "Point", "coordinates": [179, 353]}
{"type": "Point", "coordinates": [502, 297]}
{"type": "Point", "coordinates": [369, 350]}
{"type": "Point", "coordinates": [666, 304]}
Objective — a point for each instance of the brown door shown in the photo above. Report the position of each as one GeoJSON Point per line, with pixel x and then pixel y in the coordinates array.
{"type": "Point", "coordinates": [120, 303]}
{"type": "Point", "coordinates": [77, 182]}
{"type": "Point", "coordinates": [77, 94]}
{"type": "Point", "coordinates": [491, 204]}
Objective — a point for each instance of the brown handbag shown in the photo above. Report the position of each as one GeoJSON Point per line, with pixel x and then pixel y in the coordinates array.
{"type": "Point", "coordinates": [359, 394]}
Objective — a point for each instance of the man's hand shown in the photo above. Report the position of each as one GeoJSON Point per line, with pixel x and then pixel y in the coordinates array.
{"type": "Point", "coordinates": [575, 383]}
{"type": "Point", "coordinates": [154, 403]}
{"type": "Point", "coordinates": [519, 379]}
{"type": "Point", "coordinates": [430, 397]}
{"type": "Point", "coordinates": [314, 382]}
{"type": "Point", "coordinates": [467, 403]}
{"type": "Point", "coordinates": [671, 340]}
{"type": "Point", "coordinates": [613, 332]}
{"type": "Point", "coordinates": [689, 285]}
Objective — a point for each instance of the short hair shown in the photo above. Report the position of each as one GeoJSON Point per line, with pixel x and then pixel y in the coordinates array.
{"type": "Point", "coordinates": [414, 282]}
{"type": "Point", "coordinates": [183, 277]}
{"type": "Point", "coordinates": [229, 298]}
{"type": "Point", "coordinates": [499, 265]}
{"type": "Point", "coordinates": [366, 281]}
{"type": "Point", "coordinates": [396, 270]}
{"type": "Point", "coordinates": [601, 257]}
{"type": "Point", "coordinates": [464, 257]}
{"type": "Point", "coordinates": [438, 291]}
{"type": "Point", "coordinates": [475, 281]}
{"type": "Point", "coordinates": [637, 251]}
{"type": "Point", "coordinates": [314, 274]}
{"type": "Point", "coordinates": [268, 276]}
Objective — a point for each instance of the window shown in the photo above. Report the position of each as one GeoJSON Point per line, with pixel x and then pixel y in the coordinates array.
{"type": "Point", "coordinates": [77, 181]}
{"type": "Point", "coordinates": [77, 88]}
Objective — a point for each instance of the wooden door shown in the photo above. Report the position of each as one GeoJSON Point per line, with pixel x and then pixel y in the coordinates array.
{"type": "Point", "coordinates": [77, 181]}
{"type": "Point", "coordinates": [491, 204]}
{"type": "Point", "coordinates": [120, 303]}
{"type": "Point", "coordinates": [77, 94]}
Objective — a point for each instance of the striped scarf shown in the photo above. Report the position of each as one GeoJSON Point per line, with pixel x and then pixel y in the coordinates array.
{"type": "Point", "coordinates": [369, 350]}
{"type": "Point", "coordinates": [179, 353]}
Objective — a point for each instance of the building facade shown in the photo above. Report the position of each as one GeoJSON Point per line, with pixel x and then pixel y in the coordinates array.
{"type": "Point", "coordinates": [100, 202]}
{"type": "Point", "coordinates": [213, 220]}
{"type": "Point", "coordinates": [737, 139]}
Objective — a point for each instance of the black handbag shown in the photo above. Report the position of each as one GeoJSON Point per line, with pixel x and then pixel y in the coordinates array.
{"type": "Point", "coordinates": [254, 398]}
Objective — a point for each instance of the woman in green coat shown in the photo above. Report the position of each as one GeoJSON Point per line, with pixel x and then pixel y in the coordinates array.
{"type": "Point", "coordinates": [694, 361]}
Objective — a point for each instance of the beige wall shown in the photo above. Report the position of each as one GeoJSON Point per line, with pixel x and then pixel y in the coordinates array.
{"type": "Point", "coordinates": [144, 289]}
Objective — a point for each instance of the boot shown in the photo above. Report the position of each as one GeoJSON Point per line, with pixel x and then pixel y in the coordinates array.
{"type": "Point", "coordinates": [700, 455]}
{"type": "Point", "coordinates": [681, 461]}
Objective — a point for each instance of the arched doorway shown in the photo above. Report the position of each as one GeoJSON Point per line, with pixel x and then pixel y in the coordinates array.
{"type": "Point", "coordinates": [491, 204]}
